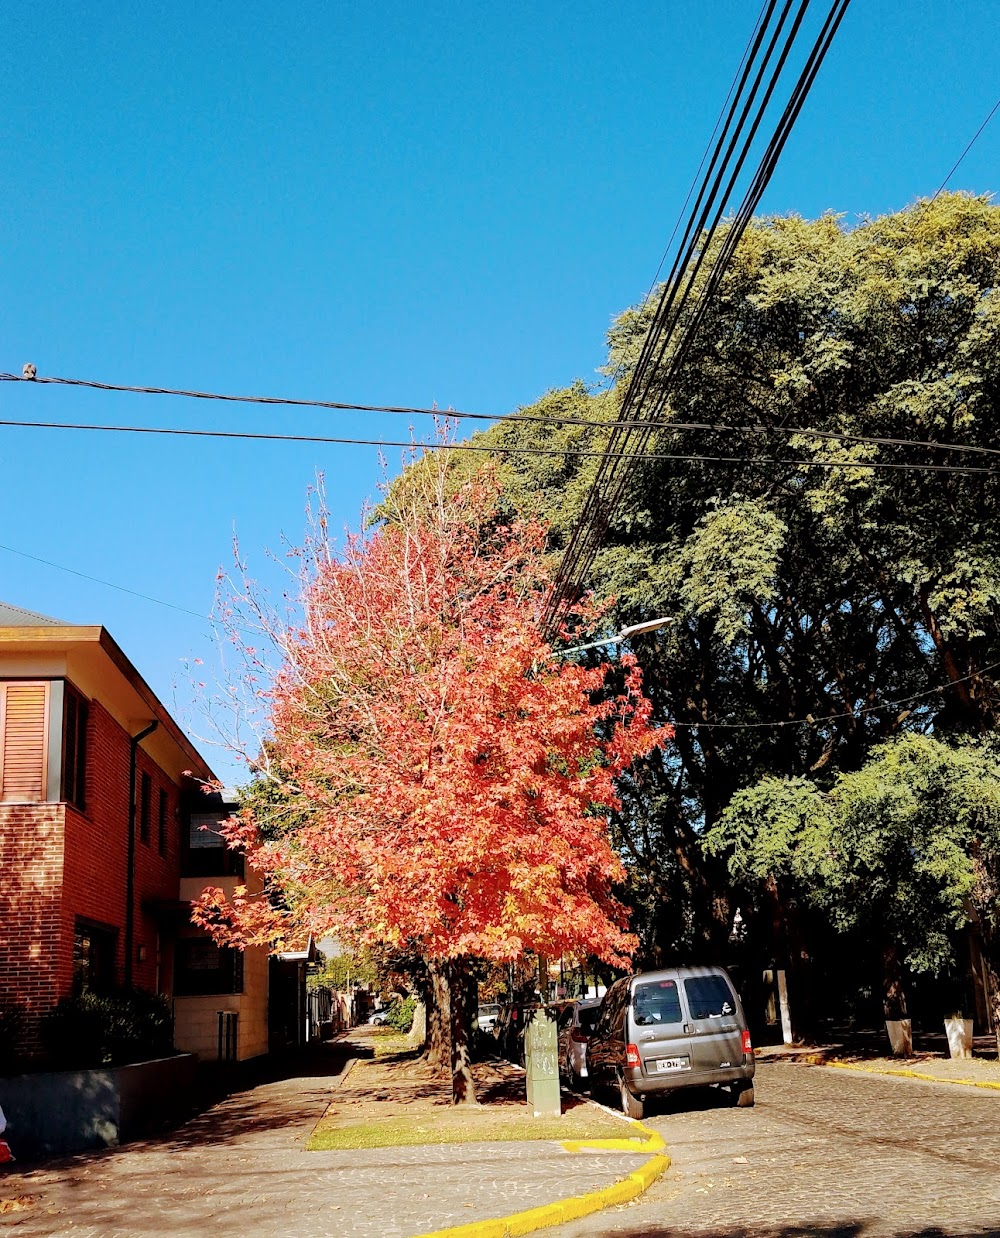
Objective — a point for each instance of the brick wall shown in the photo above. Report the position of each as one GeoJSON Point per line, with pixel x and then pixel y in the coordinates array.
{"type": "Point", "coordinates": [31, 869]}
{"type": "Point", "coordinates": [97, 854]}
{"type": "Point", "coordinates": [58, 864]}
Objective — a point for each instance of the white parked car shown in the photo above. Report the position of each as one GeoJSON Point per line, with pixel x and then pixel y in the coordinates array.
{"type": "Point", "coordinates": [489, 1012]}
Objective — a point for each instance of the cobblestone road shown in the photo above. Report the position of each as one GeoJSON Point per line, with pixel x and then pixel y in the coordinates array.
{"type": "Point", "coordinates": [827, 1153]}
{"type": "Point", "coordinates": [241, 1168]}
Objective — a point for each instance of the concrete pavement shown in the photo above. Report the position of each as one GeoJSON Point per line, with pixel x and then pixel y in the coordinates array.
{"type": "Point", "coordinates": [826, 1153]}
{"type": "Point", "coordinates": [242, 1167]}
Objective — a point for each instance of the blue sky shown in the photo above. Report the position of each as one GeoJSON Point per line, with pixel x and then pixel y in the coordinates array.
{"type": "Point", "coordinates": [400, 203]}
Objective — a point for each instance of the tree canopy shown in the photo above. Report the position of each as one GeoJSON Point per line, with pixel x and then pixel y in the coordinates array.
{"type": "Point", "coordinates": [820, 609]}
{"type": "Point", "coordinates": [440, 782]}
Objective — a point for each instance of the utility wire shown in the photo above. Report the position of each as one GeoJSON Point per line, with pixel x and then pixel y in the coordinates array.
{"type": "Point", "coordinates": [608, 488]}
{"type": "Point", "coordinates": [108, 583]}
{"type": "Point", "coordinates": [708, 147]}
{"type": "Point", "coordinates": [961, 157]}
{"type": "Point", "coordinates": [519, 416]}
{"type": "Point", "coordinates": [425, 445]}
{"type": "Point", "coordinates": [858, 713]}
{"type": "Point", "coordinates": [507, 418]}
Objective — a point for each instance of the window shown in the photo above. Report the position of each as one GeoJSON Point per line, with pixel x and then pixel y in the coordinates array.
{"type": "Point", "coordinates": [74, 771]}
{"type": "Point", "coordinates": [658, 1002]}
{"type": "Point", "coordinates": [161, 824]}
{"type": "Point", "coordinates": [203, 968]}
{"type": "Point", "coordinates": [206, 853]}
{"type": "Point", "coordinates": [24, 719]}
{"type": "Point", "coordinates": [709, 997]}
{"type": "Point", "coordinates": [145, 794]}
{"type": "Point", "coordinates": [93, 957]}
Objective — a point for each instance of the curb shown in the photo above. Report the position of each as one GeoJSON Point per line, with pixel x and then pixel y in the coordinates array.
{"type": "Point", "coordinates": [909, 1074]}
{"type": "Point", "coordinates": [622, 1192]}
{"type": "Point", "coordinates": [348, 1067]}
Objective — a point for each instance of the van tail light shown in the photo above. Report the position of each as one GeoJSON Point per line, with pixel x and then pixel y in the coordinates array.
{"type": "Point", "coordinates": [747, 1046]}
{"type": "Point", "coordinates": [631, 1055]}
{"type": "Point", "coordinates": [578, 1036]}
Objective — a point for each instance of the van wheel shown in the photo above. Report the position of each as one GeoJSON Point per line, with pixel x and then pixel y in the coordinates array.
{"type": "Point", "coordinates": [632, 1106]}
{"type": "Point", "coordinates": [743, 1095]}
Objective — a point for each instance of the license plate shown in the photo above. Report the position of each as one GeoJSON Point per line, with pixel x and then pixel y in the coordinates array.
{"type": "Point", "coordinates": [672, 1063]}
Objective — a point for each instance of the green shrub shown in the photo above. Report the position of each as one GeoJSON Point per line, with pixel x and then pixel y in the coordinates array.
{"type": "Point", "coordinates": [12, 1021]}
{"type": "Point", "coordinates": [108, 1029]}
{"type": "Point", "coordinates": [400, 1014]}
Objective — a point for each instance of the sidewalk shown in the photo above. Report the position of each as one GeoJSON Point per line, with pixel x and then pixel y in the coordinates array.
{"type": "Point", "coordinates": [930, 1060]}
{"type": "Point", "coordinates": [243, 1164]}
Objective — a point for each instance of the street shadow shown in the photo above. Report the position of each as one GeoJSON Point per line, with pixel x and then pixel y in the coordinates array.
{"type": "Point", "coordinates": [229, 1103]}
{"type": "Point", "coordinates": [850, 1229]}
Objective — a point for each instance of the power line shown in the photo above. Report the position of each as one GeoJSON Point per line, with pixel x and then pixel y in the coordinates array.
{"type": "Point", "coordinates": [666, 335]}
{"type": "Point", "coordinates": [859, 713]}
{"type": "Point", "coordinates": [108, 583]}
{"type": "Point", "coordinates": [961, 157]}
{"type": "Point", "coordinates": [507, 418]}
{"type": "Point", "coordinates": [494, 449]}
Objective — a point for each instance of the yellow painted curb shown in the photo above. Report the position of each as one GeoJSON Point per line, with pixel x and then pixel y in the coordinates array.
{"type": "Point", "coordinates": [623, 1192]}
{"type": "Point", "coordinates": [913, 1074]}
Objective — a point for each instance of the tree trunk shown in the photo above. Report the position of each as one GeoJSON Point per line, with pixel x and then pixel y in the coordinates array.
{"type": "Point", "coordinates": [791, 951]}
{"type": "Point", "coordinates": [463, 1089]}
{"type": "Point", "coordinates": [893, 991]}
{"type": "Point", "coordinates": [438, 1043]}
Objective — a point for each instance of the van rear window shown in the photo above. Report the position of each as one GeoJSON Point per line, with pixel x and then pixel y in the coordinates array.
{"type": "Point", "coordinates": [657, 1003]}
{"type": "Point", "coordinates": [709, 997]}
{"type": "Point", "coordinates": [588, 1018]}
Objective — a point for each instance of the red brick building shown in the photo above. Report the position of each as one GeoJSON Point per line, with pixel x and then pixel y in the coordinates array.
{"type": "Point", "coordinates": [105, 833]}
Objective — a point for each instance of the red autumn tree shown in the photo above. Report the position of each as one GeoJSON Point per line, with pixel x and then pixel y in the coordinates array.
{"type": "Point", "coordinates": [443, 778]}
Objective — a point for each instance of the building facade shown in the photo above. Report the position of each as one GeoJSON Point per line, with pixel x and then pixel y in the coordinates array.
{"type": "Point", "coordinates": [106, 835]}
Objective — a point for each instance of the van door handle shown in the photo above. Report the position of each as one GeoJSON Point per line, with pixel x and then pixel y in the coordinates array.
{"type": "Point", "coordinates": [688, 1029]}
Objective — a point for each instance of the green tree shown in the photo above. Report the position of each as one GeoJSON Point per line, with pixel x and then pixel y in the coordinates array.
{"type": "Point", "coordinates": [903, 852]}
{"type": "Point", "coordinates": [800, 592]}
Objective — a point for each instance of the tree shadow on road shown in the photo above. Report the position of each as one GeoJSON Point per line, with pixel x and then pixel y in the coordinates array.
{"type": "Point", "coordinates": [849, 1229]}
{"type": "Point", "coordinates": [845, 1229]}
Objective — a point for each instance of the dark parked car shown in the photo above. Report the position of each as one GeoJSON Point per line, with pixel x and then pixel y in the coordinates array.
{"type": "Point", "coordinates": [576, 1021]}
{"type": "Point", "coordinates": [678, 1028]}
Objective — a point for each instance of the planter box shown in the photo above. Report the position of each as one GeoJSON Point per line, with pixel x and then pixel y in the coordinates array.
{"type": "Point", "coordinates": [900, 1037]}
{"type": "Point", "coordinates": [71, 1110]}
{"type": "Point", "coordinates": [959, 1033]}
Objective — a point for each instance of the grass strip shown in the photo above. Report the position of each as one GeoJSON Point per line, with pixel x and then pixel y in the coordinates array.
{"type": "Point", "coordinates": [337, 1131]}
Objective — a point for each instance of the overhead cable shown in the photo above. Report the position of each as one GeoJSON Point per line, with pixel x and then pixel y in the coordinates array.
{"type": "Point", "coordinates": [666, 335]}
{"type": "Point", "coordinates": [488, 449]}
{"type": "Point", "coordinates": [508, 418]}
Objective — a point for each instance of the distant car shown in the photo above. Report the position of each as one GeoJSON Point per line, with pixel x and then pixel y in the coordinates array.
{"type": "Point", "coordinates": [509, 1030]}
{"type": "Point", "coordinates": [489, 1012]}
{"type": "Point", "coordinates": [379, 1018]}
{"type": "Point", "coordinates": [576, 1022]}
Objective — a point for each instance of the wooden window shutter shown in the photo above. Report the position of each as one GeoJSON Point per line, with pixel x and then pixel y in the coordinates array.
{"type": "Point", "coordinates": [23, 742]}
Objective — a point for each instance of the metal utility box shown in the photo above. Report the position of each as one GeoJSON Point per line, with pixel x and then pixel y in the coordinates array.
{"type": "Point", "coordinates": [541, 1064]}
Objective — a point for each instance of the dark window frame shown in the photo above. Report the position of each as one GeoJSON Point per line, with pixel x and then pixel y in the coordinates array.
{"type": "Point", "coordinates": [145, 805]}
{"type": "Point", "coordinates": [201, 855]}
{"type": "Point", "coordinates": [95, 955]}
{"type": "Point", "coordinates": [76, 719]}
{"type": "Point", "coordinates": [200, 981]}
{"type": "Point", "coordinates": [161, 823]}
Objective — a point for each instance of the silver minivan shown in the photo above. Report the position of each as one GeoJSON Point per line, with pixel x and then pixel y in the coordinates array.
{"type": "Point", "coordinates": [677, 1028]}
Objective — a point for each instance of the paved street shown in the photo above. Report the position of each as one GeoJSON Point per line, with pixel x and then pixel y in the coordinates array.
{"type": "Point", "coordinates": [828, 1153]}
{"type": "Point", "coordinates": [241, 1168]}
